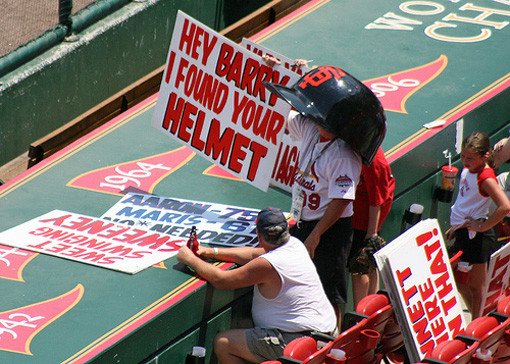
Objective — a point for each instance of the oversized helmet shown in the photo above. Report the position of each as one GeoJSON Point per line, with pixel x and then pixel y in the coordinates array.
{"type": "Point", "coordinates": [341, 104]}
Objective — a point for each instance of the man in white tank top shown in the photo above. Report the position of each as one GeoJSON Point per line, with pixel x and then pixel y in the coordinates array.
{"type": "Point", "coordinates": [288, 299]}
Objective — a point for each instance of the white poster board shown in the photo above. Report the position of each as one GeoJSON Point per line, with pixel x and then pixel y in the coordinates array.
{"type": "Point", "coordinates": [417, 273]}
{"type": "Point", "coordinates": [287, 159]}
{"type": "Point", "coordinates": [94, 241]}
{"type": "Point", "coordinates": [216, 224]}
{"type": "Point", "coordinates": [498, 279]}
{"type": "Point", "coordinates": [213, 100]}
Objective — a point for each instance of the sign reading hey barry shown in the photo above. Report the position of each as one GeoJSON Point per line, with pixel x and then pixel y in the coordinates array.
{"type": "Point", "coordinates": [287, 159]}
{"type": "Point", "coordinates": [92, 241]}
{"type": "Point", "coordinates": [498, 279]}
{"type": "Point", "coordinates": [212, 99]}
{"type": "Point", "coordinates": [416, 271]}
{"type": "Point", "coordinates": [216, 223]}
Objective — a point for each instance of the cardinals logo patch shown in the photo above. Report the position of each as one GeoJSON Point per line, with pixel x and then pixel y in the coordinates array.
{"type": "Point", "coordinates": [344, 182]}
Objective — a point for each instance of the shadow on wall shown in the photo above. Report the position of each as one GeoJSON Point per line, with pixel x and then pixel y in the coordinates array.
{"type": "Point", "coordinates": [233, 10]}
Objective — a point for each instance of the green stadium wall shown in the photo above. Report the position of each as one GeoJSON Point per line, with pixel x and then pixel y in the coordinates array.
{"type": "Point", "coordinates": [72, 77]}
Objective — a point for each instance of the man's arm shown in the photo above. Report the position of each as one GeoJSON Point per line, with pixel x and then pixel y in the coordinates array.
{"type": "Point", "coordinates": [331, 215]}
{"type": "Point", "coordinates": [239, 255]}
{"type": "Point", "coordinates": [374, 214]}
{"type": "Point", "coordinates": [256, 271]}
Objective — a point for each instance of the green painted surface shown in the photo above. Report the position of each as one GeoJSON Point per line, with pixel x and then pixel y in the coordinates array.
{"type": "Point", "coordinates": [115, 52]}
{"type": "Point", "coordinates": [111, 297]}
{"type": "Point", "coordinates": [338, 32]}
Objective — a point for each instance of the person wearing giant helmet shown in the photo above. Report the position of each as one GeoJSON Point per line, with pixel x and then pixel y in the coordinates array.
{"type": "Point", "coordinates": [340, 124]}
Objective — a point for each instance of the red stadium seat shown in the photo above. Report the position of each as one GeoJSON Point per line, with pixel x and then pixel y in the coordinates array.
{"type": "Point", "coordinates": [319, 356]}
{"type": "Point", "coordinates": [489, 331]}
{"type": "Point", "coordinates": [380, 316]}
{"type": "Point", "coordinates": [303, 350]}
{"type": "Point", "coordinates": [503, 306]}
{"type": "Point", "coordinates": [502, 355]}
{"type": "Point", "coordinates": [454, 351]}
{"type": "Point", "coordinates": [358, 343]}
{"type": "Point", "coordinates": [372, 303]}
{"type": "Point", "coordinates": [377, 310]}
{"type": "Point", "coordinates": [300, 348]}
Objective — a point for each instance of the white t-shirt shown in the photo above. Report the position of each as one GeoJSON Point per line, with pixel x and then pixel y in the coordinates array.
{"type": "Point", "coordinates": [469, 202]}
{"type": "Point", "coordinates": [301, 303]}
{"type": "Point", "coordinates": [334, 174]}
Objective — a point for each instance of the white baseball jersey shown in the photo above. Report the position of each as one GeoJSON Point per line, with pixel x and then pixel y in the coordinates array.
{"type": "Point", "coordinates": [333, 172]}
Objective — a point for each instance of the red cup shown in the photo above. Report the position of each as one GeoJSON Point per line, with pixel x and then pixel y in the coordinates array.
{"type": "Point", "coordinates": [449, 174]}
{"type": "Point", "coordinates": [462, 272]}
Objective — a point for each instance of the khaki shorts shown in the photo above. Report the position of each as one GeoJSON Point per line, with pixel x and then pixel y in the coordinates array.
{"type": "Point", "coordinates": [268, 344]}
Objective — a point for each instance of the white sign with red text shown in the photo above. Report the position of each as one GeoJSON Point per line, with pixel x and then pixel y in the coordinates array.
{"type": "Point", "coordinates": [216, 224]}
{"type": "Point", "coordinates": [92, 241]}
{"type": "Point", "coordinates": [212, 99]}
{"type": "Point", "coordinates": [416, 271]}
{"type": "Point", "coordinates": [287, 159]}
{"type": "Point", "coordinates": [498, 279]}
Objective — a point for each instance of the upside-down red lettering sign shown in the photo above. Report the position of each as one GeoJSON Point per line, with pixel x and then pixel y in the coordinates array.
{"type": "Point", "coordinates": [93, 241]}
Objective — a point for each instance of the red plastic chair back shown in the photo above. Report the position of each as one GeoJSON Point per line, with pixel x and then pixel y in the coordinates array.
{"type": "Point", "coordinates": [489, 330]}
{"type": "Point", "coordinates": [300, 348]}
{"type": "Point", "coordinates": [503, 306]}
{"type": "Point", "coordinates": [378, 310]}
{"type": "Point", "coordinates": [454, 351]}
{"type": "Point", "coordinates": [305, 350]}
{"type": "Point", "coordinates": [319, 356]}
{"type": "Point", "coordinates": [372, 303]}
{"type": "Point", "coordinates": [359, 344]}
{"type": "Point", "coordinates": [381, 317]}
{"type": "Point", "coordinates": [502, 355]}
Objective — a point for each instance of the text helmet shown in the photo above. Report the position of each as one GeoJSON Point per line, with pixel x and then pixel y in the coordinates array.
{"type": "Point", "coordinates": [341, 104]}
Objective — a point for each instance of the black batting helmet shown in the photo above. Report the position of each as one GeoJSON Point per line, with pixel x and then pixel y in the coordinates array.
{"type": "Point", "coordinates": [341, 104]}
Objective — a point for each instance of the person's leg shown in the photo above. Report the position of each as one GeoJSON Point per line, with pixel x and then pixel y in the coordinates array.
{"type": "Point", "coordinates": [465, 293]}
{"type": "Point", "coordinates": [477, 279]}
{"type": "Point", "coordinates": [360, 286]}
{"type": "Point", "coordinates": [364, 285]}
{"type": "Point", "coordinates": [359, 277]}
{"type": "Point", "coordinates": [469, 249]}
{"type": "Point", "coordinates": [373, 278]}
{"type": "Point", "coordinates": [231, 347]}
{"type": "Point", "coordinates": [331, 262]}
